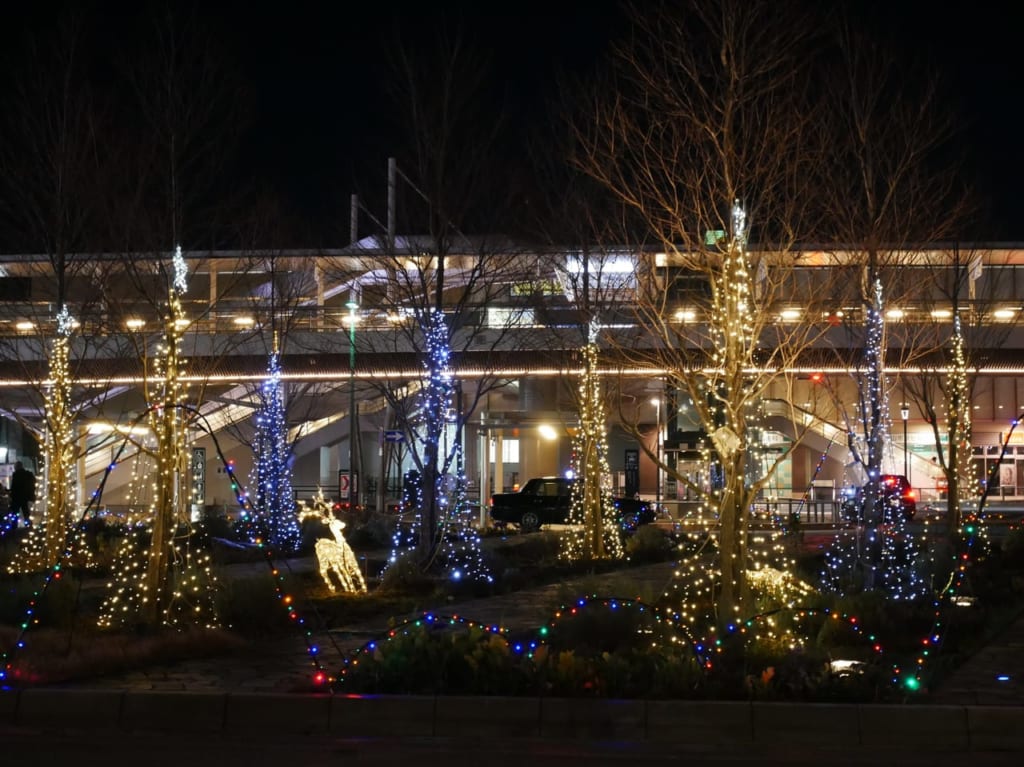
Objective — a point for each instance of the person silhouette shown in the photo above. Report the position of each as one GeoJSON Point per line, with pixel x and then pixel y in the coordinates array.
{"type": "Point", "coordinates": [23, 491]}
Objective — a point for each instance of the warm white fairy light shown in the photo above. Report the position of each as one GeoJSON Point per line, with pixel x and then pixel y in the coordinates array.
{"type": "Point", "coordinates": [958, 417]}
{"type": "Point", "coordinates": [719, 586]}
{"type": "Point", "coordinates": [336, 562]}
{"type": "Point", "coordinates": [54, 538]}
{"type": "Point", "coordinates": [168, 583]}
{"type": "Point", "coordinates": [595, 532]}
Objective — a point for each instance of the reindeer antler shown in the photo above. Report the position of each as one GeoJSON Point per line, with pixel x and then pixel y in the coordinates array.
{"type": "Point", "coordinates": [318, 507]}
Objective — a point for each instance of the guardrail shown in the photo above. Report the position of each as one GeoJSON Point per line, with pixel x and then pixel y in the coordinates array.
{"type": "Point", "coordinates": [806, 511]}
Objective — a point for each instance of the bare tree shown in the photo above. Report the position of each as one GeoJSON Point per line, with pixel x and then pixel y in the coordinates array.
{"type": "Point", "coordinates": [50, 185]}
{"type": "Point", "coordinates": [184, 108]}
{"type": "Point", "coordinates": [889, 184]}
{"type": "Point", "coordinates": [705, 138]}
{"type": "Point", "coordinates": [438, 290]}
{"type": "Point", "coordinates": [578, 223]}
{"type": "Point", "coordinates": [963, 329]}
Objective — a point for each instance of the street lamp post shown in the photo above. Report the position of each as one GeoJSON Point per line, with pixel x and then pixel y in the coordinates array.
{"type": "Point", "coordinates": [353, 306]}
{"type": "Point", "coordinates": [657, 451]}
{"type": "Point", "coordinates": [905, 415]}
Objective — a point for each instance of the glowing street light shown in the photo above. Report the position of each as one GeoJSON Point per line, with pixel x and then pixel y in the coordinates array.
{"type": "Point", "coordinates": [353, 306]}
{"type": "Point", "coordinates": [905, 415]}
{"type": "Point", "coordinates": [656, 401]}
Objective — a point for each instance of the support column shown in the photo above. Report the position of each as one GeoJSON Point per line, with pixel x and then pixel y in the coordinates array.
{"type": "Point", "coordinates": [484, 462]}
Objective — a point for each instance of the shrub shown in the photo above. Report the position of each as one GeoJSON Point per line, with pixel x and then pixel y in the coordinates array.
{"type": "Point", "coordinates": [251, 606]}
{"type": "Point", "coordinates": [404, 576]}
{"type": "Point", "coordinates": [1013, 550]}
{"type": "Point", "coordinates": [51, 657]}
{"type": "Point", "coordinates": [434, 660]}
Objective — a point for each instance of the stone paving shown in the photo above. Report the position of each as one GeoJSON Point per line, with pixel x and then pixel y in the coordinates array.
{"type": "Point", "coordinates": [992, 677]}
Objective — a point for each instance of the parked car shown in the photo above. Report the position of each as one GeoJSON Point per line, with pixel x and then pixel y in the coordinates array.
{"type": "Point", "coordinates": [548, 500]}
{"type": "Point", "coordinates": [895, 497]}
{"type": "Point", "coordinates": [634, 512]}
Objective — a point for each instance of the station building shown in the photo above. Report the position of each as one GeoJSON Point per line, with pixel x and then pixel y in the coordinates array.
{"type": "Point", "coordinates": [346, 324]}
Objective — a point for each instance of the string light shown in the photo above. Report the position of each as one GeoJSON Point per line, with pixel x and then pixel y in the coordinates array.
{"type": "Point", "coordinates": [336, 561]}
{"type": "Point", "coordinates": [454, 541]}
{"type": "Point", "coordinates": [55, 537]}
{"type": "Point", "coordinates": [274, 516]}
{"type": "Point", "coordinates": [165, 582]}
{"type": "Point", "coordinates": [880, 553]}
{"type": "Point", "coordinates": [595, 531]}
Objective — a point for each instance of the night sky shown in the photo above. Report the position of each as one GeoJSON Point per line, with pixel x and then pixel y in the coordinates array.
{"type": "Point", "coordinates": [313, 76]}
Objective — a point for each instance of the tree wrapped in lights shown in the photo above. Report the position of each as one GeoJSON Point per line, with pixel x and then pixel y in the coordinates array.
{"type": "Point", "coordinates": [596, 533]}
{"type": "Point", "coordinates": [708, 307]}
{"type": "Point", "coordinates": [880, 553]}
{"type": "Point", "coordinates": [872, 417]}
{"type": "Point", "coordinates": [961, 483]}
{"type": "Point", "coordinates": [951, 391]}
{"type": "Point", "coordinates": [165, 582]}
{"type": "Point", "coordinates": [444, 293]}
{"type": "Point", "coordinates": [55, 537]}
{"type": "Point", "coordinates": [274, 513]}
{"type": "Point", "coordinates": [443, 519]}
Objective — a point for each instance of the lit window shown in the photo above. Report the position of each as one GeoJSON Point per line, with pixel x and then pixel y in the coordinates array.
{"type": "Point", "coordinates": [503, 317]}
{"type": "Point", "coordinates": [509, 451]}
{"type": "Point", "coordinates": [134, 323]}
{"type": "Point", "coordinates": [244, 322]}
{"type": "Point", "coordinates": [894, 314]}
{"type": "Point", "coordinates": [942, 314]}
{"type": "Point", "coordinates": [24, 325]}
{"type": "Point", "coordinates": [1004, 314]}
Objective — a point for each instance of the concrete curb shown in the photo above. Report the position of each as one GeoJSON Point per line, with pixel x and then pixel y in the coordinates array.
{"type": "Point", "coordinates": [723, 723]}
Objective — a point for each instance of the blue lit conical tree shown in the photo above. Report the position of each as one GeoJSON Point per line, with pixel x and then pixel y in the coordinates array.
{"type": "Point", "coordinates": [275, 515]}
{"type": "Point", "coordinates": [443, 519]}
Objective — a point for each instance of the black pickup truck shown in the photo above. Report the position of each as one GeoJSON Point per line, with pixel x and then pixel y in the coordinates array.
{"type": "Point", "coordinates": [547, 500]}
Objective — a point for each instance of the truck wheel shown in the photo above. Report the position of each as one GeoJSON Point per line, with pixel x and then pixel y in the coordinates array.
{"type": "Point", "coordinates": [529, 522]}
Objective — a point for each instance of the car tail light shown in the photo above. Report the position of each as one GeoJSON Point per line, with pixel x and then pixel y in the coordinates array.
{"type": "Point", "coordinates": [909, 494]}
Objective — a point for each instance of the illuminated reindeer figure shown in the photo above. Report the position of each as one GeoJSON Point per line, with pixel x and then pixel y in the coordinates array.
{"type": "Point", "coordinates": [334, 557]}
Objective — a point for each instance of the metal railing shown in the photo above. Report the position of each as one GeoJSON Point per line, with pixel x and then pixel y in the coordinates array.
{"type": "Point", "coordinates": [784, 510]}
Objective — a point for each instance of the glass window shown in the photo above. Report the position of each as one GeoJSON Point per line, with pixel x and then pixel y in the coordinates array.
{"type": "Point", "coordinates": [509, 451]}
